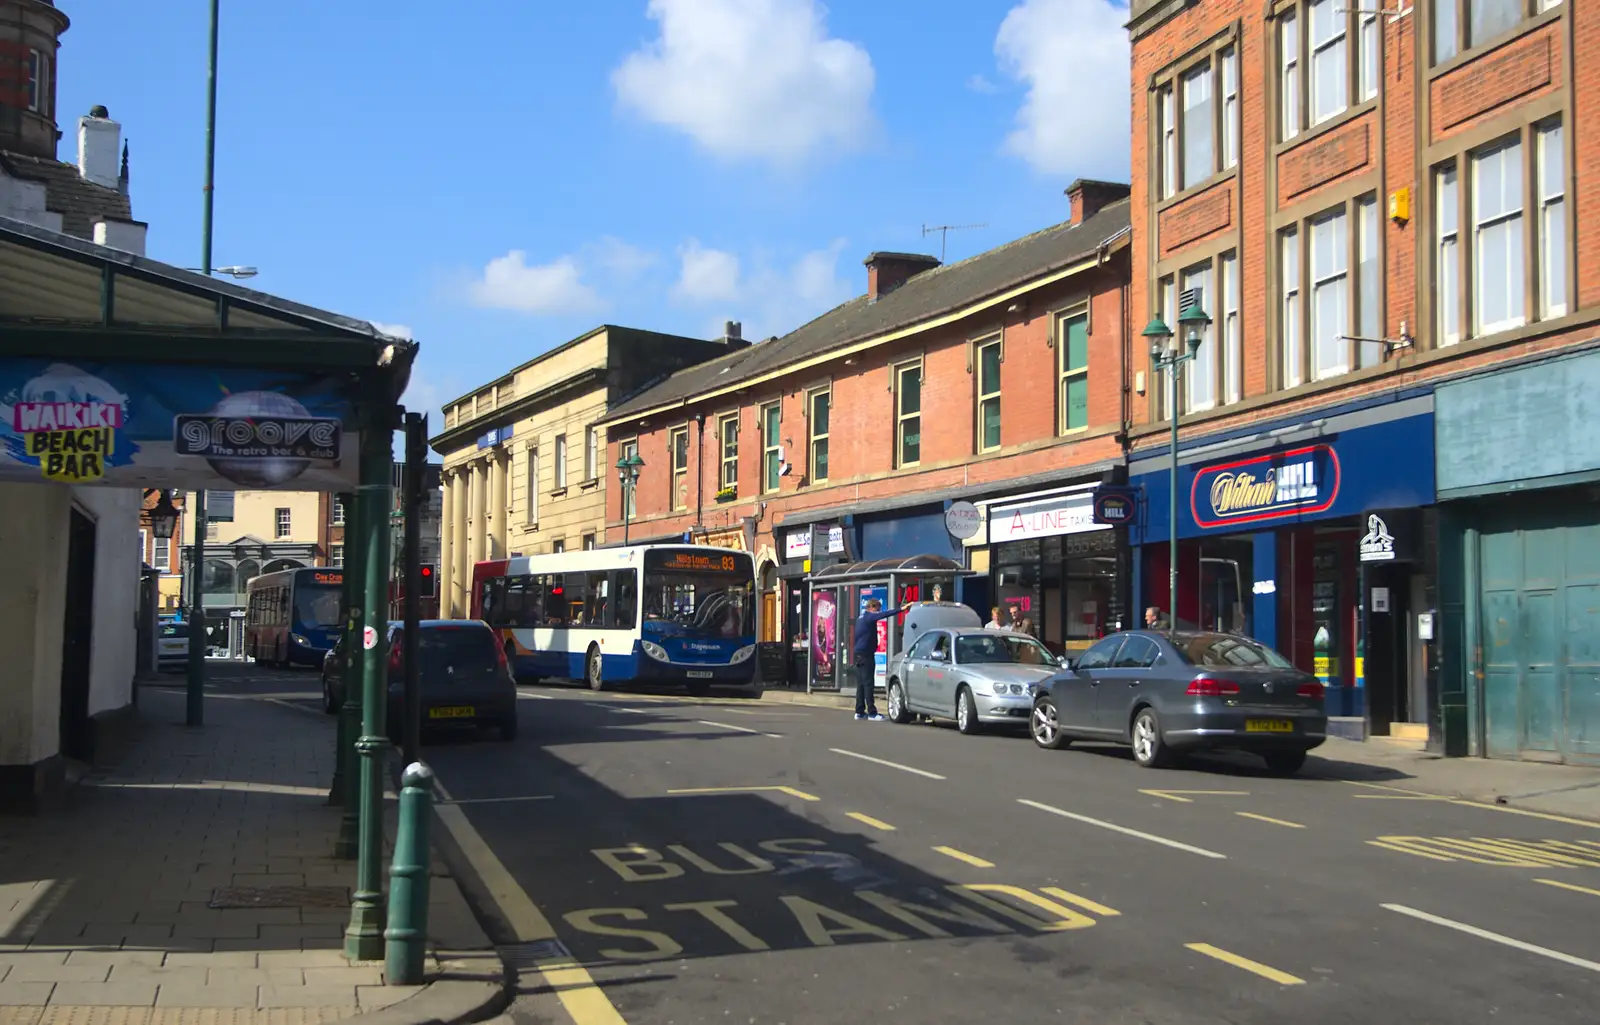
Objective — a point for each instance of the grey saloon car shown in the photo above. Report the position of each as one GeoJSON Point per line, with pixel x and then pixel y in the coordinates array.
{"type": "Point", "coordinates": [972, 675]}
{"type": "Point", "coordinates": [1168, 694]}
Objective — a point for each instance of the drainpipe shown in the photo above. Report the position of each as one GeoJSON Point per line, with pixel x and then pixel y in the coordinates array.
{"type": "Point", "coordinates": [700, 471]}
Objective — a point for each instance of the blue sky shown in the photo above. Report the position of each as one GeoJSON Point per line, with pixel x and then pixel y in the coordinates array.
{"type": "Point", "coordinates": [495, 177]}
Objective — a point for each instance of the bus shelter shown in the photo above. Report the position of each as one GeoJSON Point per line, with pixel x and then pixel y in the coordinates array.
{"type": "Point", "coordinates": [840, 592]}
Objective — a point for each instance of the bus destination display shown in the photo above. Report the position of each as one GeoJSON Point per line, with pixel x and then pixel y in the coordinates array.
{"type": "Point", "coordinates": [694, 562]}
{"type": "Point", "coordinates": [336, 579]}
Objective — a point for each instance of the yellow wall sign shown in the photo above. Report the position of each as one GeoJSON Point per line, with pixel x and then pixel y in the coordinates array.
{"type": "Point", "coordinates": [72, 456]}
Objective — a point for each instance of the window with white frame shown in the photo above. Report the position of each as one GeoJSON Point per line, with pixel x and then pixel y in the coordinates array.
{"type": "Point", "coordinates": [820, 404]}
{"type": "Point", "coordinates": [161, 555]}
{"type": "Point", "coordinates": [1229, 337]}
{"type": "Point", "coordinates": [145, 555]}
{"type": "Point", "coordinates": [561, 462]}
{"type": "Point", "coordinates": [1215, 375]}
{"type": "Point", "coordinates": [558, 546]}
{"type": "Point", "coordinates": [771, 445]}
{"type": "Point", "coordinates": [1497, 265]}
{"type": "Point", "coordinates": [1200, 373]}
{"type": "Point", "coordinates": [1317, 78]}
{"type": "Point", "coordinates": [678, 449]}
{"type": "Point", "coordinates": [1294, 368]}
{"type": "Point", "coordinates": [337, 519]}
{"type": "Point", "coordinates": [36, 89]}
{"type": "Point", "coordinates": [591, 454]}
{"type": "Point", "coordinates": [1329, 279]}
{"type": "Point", "coordinates": [588, 542]}
{"type": "Point", "coordinates": [728, 439]}
{"type": "Point", "coordinates": [1330, 294]}
{"type": "Point", "coordinates": [987, 381]}
{"type": "Point", "coordinates": [1369, 318]}
{"type": "Point", "coordinates": [336, 555]}
{"type": "Point", "coordinates": [281, 523]}
{"type": "Point", "coordinates": [1460, 25]}
{"type": "Point", "coordinates": [1197, 122]}
{"type": "Point", "coordinates": [1447, 257]}
{"type": "Point", "coordinates": [1072, 341]}
{"type": "Point", "coordinates": [531, 487]}
{"type": "Point", "coordinates": [1167, 295]}
{"type": "Point", "coordinates": [908, 413]}
{"type": "Point", "coordinates": [630, 495]}
{"type": "Point", "coordinates": [1551, 178]}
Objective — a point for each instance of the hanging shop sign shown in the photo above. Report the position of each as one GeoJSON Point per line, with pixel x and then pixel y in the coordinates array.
{"type": "Point", "coordinates": [1059, 514]}
{"type": "Point", "coordinates": [1115, 506]}
{"type": "Point", "coordinates": [1377, 544]}
{"type": "Point", "coordinates": [1299, 482]}
{"type": "Point", "coordinates": [798, 544]}
{"type": "Point", "coordinates": [963, 520]}
{"type": "Point", "coordinates": [135, 424]}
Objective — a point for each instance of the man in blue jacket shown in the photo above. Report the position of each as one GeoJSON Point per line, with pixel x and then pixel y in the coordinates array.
{"type": "Point", "coordinates": [866, 646]}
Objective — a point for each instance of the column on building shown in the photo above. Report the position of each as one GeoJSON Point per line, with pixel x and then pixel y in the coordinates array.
{"type": "Point", "coordinates": [480, 513]}
{"type": "Point", "coordinates": [447, 566]}
{"type": "Point", "coordinates": [459, 549]}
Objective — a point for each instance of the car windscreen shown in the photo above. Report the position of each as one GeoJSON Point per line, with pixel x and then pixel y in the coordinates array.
{"type": "Point", "coordinates": [317, 606]}
{"type": "Point", "coordinates": [458, 649]}
{"type": "Point", "coordinates": [700, 596]}
{"type": "Point", "coordinates": [1225, 651]}
{"type": "Point", "coordinates": [175, 629]}
{"type": "Point", "coordinates": [980, 648]}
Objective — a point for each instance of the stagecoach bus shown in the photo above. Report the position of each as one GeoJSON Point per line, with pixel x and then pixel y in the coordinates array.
{"type": "Point", "coordinates": [293, 617]}
{"type": "Point", "coordinates": [669, 613]}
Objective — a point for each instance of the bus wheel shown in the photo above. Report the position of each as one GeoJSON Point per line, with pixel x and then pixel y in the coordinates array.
{"type": "Point", "coordinates": [592, 670]}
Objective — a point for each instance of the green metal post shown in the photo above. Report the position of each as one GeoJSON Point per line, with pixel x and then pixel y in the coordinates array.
{"type": "Point", "coordinates": [407, 932]}
{"type": "Point", "coordinates": [339, 790]}
{"type": "Point", "coordinates": [1172, 523]}
{"type": "Point", "coordinates": [363, 938]}
{"type": "Point", "coordinates": [350, 709]}
{"type": "Point", "coordinates": [195, 712]}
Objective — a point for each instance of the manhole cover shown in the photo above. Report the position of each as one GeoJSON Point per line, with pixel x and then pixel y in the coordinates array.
{"type": "Point", "coordinates": [522, 956]}
{"type": "Point", "coordinates": [280, 897]}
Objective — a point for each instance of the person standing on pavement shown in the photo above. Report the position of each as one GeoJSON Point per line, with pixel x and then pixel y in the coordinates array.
{"type": "Point", "coordinates": [866, 646]}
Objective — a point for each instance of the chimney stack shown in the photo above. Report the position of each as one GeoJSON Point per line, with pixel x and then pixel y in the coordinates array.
{"type": "Point", "coordinates": [1089, 196]}
{"type": "Point", "coordinates": [888, 271]}
{"type": "Point", "coordinates": [99, 146]}
{"type": "Point", "coordinates": [127, 236]}
{"type": "Point", "coordinates": [733, 334]}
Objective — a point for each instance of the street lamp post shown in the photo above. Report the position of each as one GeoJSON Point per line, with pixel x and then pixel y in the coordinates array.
{"type": "Point", "coordinates": [1164, 356]}
{"type": "Point", "coordinates": [628, 468]}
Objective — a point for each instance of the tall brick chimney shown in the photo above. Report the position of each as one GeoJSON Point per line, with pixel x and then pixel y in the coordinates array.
{"type": "Point", "coordinates": [888, 271]}
{"type": "Point", "coordinates": [1088, 196]}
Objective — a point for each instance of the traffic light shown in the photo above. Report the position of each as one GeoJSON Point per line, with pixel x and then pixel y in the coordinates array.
{"type": "Point", "coordinates": [430, 587]}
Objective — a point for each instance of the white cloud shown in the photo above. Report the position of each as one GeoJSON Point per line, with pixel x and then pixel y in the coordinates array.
{"type": "Point", "coordinates": [706, 275]}
{"type": "Point", "coordinates": [392, 330]}
{"type": "Point", "coordinates": [750, 78]}
{"type": "Point", "coordinates": [1073, 57]}
{"type": "Point", "coordinates": [509, 283]}
{"type": "Point", "coordinates": [623, 261]}
{"type": "Point", "coordinates": [981, 84]}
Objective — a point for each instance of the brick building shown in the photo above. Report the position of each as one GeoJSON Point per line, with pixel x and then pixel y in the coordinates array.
{"type": "Point", "coordinates": [995, 380]}
{"type": "Point", "coordinates": [1381, 211]}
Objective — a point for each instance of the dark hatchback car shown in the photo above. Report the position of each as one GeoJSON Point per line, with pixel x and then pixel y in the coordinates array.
{"type": "Point", "coordinates": [465, 679]}
{"type": "Point", "coordinates": [1167, 695]}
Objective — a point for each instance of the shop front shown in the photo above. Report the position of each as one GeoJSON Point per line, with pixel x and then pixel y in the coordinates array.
{"type": "Point", "coordinates": [1312, 537]}
{"type": "Point", "coordinates": [1519, 552]}
{"type": "Point", "coordinates": [1054, 571]}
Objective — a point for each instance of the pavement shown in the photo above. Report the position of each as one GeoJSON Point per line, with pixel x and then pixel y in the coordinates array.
{"type": "Point", "coordinates": [192, 881]}
{"type": "Point", "coordinates": [654, 859]}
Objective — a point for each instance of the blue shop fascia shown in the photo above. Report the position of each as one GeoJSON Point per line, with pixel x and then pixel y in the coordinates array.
{"type": "Point", "coordinates": [1316, 535]}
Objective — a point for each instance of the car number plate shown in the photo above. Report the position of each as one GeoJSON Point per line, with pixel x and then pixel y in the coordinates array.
{"type": "Point", "coordinates": [454, 712]}
{"type": "Point", "coordinates": [1268, 726]}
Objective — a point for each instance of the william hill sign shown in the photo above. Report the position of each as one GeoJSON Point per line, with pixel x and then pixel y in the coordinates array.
{"type": "Point", "coordinates": [1299, 482]}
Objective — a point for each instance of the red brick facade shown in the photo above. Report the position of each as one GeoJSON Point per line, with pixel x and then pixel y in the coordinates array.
{"type": "Point", "coordinates": [1403, 120]}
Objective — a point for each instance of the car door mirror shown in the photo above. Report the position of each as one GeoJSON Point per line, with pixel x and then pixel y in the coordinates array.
{"type": "Point", "coordinates": [938, 656]}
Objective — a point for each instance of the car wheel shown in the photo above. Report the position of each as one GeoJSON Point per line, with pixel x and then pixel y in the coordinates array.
{"type": "Point", "coordinates": [966, 712]}
{"type": "Point", "coordinates": [1045, 725]}
{"type": "Point", "coordinates": [1285, 763]}
{"type": "Point", "coordinates": [897, 704]}
{"type": "Point", "coordinates": [508, 727]}
{"type": "Point", "coordinates": [593, 674]}
{"type": "Point", "coordinates": [1149, 748]}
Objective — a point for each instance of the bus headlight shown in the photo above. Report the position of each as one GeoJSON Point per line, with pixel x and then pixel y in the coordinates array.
{"type": "Point", "coordinates": [300, 640]}
{"type": "Point", "coordinates": [655, 651]}
{"type": "Point", "coordinates": [742, 655]}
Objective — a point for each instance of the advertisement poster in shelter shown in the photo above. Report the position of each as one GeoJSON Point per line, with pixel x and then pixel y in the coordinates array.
{"type": "Point", "coordinates": [880, 653]}
{"type": "Point", "coordinates": [824, 636]}
{"type": "Point", "coordinates": [158, 425]}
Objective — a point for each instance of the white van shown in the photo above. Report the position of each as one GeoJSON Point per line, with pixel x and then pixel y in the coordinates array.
{"type": "Point", "coordinates": [922, 616]}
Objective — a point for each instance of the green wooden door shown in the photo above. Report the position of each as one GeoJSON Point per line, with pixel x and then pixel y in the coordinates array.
{"type": "Point", "coordinates": [1539, 601]}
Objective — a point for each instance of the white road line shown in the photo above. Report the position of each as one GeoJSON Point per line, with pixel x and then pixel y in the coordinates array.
{"type": "Point", "coordinates": [631, 711]}
{"type": "Point", "coordinates": [1494, 937]}
{"type": "Point", "coordinates": [1163, 841]}
{"type": "Point", "coordinates": [535, 697]}
{"type": "Point", "coordinates": [885, 761]}
{"type": "Point", "coordinates": [731, 726]}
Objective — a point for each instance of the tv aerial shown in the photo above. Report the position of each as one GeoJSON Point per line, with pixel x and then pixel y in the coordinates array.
{"type": "Point", "coordinates": [944, 231]}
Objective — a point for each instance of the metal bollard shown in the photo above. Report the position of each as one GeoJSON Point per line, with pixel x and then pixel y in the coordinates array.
{"type": "Point", "coordinates": [406, 937]}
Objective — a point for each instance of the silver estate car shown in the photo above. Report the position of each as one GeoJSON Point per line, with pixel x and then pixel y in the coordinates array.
{"type": "Point", "coordinates": [970, 674]}
{"type": "Point", "coordinates": [1166, 694]}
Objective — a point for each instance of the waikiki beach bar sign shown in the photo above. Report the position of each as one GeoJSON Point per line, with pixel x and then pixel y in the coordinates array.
{"type": "Point", "coordinates": [1299, 482]}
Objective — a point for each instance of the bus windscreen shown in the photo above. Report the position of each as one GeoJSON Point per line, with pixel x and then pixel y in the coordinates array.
{"type": "Point", "coordinates": [708, 595]}
{"type": "Point", "coordinates": [317, 605]}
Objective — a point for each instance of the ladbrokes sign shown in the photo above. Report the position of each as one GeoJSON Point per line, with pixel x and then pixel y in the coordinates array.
{"type": "Point", "coordinates": [1299, 482]}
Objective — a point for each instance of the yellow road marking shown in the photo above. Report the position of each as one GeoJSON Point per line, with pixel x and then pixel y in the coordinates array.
{"type": "Point", "coordinates": [1172, 795]}
{"type": "Point", "coordinates": [1265, 971]}
{"type": "Point", "coordinates": [1083, 902]}
{"type": "Point", "coordinates": [971, 859]}
{"type": "Point", "coordinates": [1569, 886]}
{"type": "Point", "coordinates": [869, 820]}
{"type": "Point", "coordinates": [572, 984]}
{"type": "Point", "coordinates": [791, 791]}
{"type": "Point", "coordinates": [1547, 816]}
{"type": "Point", "coordinates": [1268, 818]}
{"type": "Point", "coordinates": [1407, 850]}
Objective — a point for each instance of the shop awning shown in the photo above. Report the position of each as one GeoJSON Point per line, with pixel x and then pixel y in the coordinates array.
{"type": "Point", "coordinates": [845, 571]}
